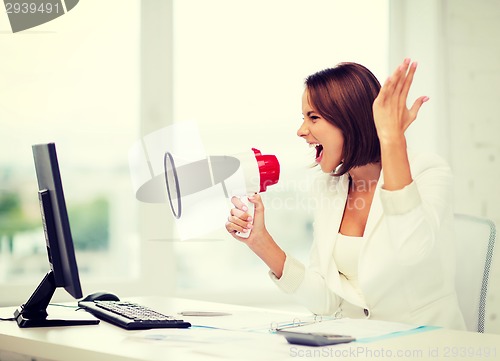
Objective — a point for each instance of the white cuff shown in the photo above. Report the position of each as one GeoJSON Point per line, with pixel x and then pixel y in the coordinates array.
{"type": "Point", "coordinates": [292, 277]}
{"type": "Point", "coordinates": [400, 201]}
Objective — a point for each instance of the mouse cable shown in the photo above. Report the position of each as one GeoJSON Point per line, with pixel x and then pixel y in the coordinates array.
{"type": "Point", "coordinates": [59, 305]}
{"type": "Point", "coordinates": [51, 304]}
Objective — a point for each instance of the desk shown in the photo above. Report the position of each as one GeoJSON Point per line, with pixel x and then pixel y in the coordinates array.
{"type": "Point", "coordinates": [107, 342]}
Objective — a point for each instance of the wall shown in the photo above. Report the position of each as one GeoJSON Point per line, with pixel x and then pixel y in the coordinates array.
{"type": "Point", "coordinates": [456, 43]}
{"type": "Point", "coordinates": [473, 88]}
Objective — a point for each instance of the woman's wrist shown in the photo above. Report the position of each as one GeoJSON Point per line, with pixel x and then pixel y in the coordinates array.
{"type": "Point", "coordinates": [268, 250]}
{"type": "Point", "coordinates": [262, 245]}
{"type": "Point", "coordinates": [395, 164]}
{"type": "Point", "coordinates": [392, 141]}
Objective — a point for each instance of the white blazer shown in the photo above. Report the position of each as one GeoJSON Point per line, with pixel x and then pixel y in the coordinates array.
{"type": "Point", "coordinates": [406, 266]}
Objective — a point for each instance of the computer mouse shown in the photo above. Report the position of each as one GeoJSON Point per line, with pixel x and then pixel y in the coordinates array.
{"type": "Point", "coordinates": [100, 296]}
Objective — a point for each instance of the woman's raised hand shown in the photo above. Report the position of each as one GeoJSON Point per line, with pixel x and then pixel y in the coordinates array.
{"type": "Point", "coordinates": [390, 112]}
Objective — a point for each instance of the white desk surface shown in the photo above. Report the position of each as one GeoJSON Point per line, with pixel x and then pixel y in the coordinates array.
{"type": "Point", "coordinates": [108, 342]}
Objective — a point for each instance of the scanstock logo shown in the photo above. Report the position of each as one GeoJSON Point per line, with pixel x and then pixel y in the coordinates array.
{"type": "Point", "coordinates": [26, 14]}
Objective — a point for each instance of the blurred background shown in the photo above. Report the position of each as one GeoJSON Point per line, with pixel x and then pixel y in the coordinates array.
{"type": "Point", "coordinates": [108, 73]}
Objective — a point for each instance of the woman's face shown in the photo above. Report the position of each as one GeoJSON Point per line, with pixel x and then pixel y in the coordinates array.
{"type": "Point", "coordinates": [323, 135]}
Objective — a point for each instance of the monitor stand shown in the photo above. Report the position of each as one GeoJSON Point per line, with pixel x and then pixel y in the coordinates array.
{"type": "Point", "coordinates": [34, 312]}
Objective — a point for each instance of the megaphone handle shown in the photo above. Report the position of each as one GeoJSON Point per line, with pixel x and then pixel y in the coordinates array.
{"type": "Point", "coordinates": [250, 211]}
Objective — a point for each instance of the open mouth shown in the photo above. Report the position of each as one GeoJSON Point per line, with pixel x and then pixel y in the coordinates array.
{"type": "Point", "coordinates": [319, 151]}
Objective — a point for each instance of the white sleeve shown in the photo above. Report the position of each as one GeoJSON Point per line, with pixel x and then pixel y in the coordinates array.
{"type": "Point", "coordinates": [415, 214]}
{"type": "Point", "coordinates": [307, 286]}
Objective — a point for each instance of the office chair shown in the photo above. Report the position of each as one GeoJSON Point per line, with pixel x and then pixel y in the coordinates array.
{"type": "Point", "coordinates": [475, 241]}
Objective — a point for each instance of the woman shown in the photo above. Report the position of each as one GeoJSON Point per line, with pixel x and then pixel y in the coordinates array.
{"type": "Point", "coordinates": [383, 237]}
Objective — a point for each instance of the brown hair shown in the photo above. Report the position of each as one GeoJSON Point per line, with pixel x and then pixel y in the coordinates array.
{"type": "Point", "coordinates": [344, 96]}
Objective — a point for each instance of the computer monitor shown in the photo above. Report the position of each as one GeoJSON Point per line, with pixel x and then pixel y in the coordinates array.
{"type": "Point", "coordinates": [60, 250]}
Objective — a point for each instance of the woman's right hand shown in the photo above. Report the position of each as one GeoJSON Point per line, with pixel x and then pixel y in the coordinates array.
{"type": "Point", "coordinates": [240, 220]}
{"type": "Point", "coordinates": [259, 241]}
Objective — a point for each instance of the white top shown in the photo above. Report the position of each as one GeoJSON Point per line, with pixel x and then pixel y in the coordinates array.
{"type": "Point", "coordinates": [346, 256]}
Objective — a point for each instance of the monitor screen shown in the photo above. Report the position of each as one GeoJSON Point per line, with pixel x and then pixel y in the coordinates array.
{"type": "Point", "coordinates": [60, 249]}
{"type": "Point", "coordinates": [55, 220]}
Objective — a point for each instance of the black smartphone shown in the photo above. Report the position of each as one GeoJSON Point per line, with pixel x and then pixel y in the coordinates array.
{"type": "Point", "coordinates": [314, 338]}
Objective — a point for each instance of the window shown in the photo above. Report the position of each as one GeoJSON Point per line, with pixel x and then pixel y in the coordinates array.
{"type": "Point", "coordinates": [73, 81]}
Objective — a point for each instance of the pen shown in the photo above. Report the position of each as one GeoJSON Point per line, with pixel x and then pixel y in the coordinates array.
{"type": "Point", "coordinates": [203, 313]}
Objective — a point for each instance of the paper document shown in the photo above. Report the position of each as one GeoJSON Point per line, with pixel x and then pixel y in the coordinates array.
{"type": "Point", "coordinates": [256, 321]}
